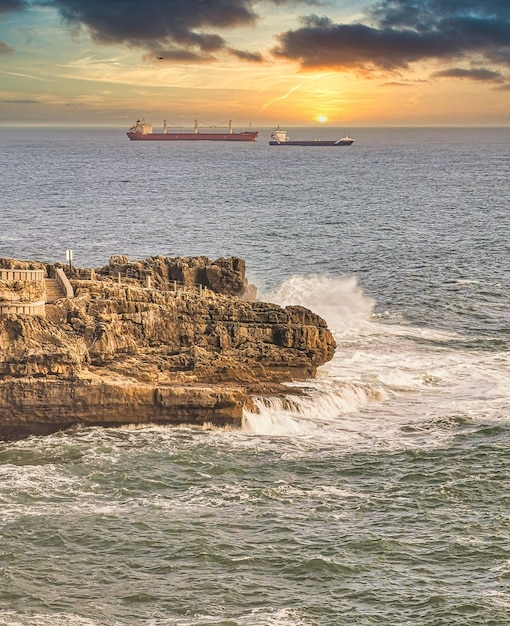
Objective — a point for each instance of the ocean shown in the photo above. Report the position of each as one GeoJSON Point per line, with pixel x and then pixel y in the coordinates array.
{"type": "Point", "coordinates": [378, 497]}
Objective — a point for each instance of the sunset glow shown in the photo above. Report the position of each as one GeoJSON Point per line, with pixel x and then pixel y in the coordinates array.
{"type": "Point", "coordinates": [370, 63]}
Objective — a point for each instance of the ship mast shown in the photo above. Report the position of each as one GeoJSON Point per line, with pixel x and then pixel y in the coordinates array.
{"type": "Point", "coordinates": [196, 127]}
{"type": "Point", "coordinates": [164, 127]}
{"type": "Point", "coordinates": [230, 126]}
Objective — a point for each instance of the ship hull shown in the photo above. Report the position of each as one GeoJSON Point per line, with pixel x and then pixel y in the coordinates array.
{"type": "Point", "coordinates": [246, 136]}
{"type": "Point", "coordinates": [317, 142]}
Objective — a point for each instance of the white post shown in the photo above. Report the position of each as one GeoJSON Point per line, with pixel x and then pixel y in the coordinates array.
{"type": "Point", "coordinates": [69, 258]}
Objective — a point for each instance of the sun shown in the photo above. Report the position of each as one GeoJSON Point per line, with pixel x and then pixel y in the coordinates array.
{"type": "Point", "coordinates": [322, 119]}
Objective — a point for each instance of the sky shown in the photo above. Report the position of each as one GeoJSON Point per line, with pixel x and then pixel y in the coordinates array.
{"type": "Point", "coordinates": [343, 63]}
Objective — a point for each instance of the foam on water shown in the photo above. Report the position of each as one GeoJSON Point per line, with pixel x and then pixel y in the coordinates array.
{"type": "Point", "coordinates": [12, 618]}
{"type": "Point", "coordinates": [257, 617]}
{"type": "Point", "coordinates": [413, 374]}
{"type": "Point", "coordinates": [373, 494]}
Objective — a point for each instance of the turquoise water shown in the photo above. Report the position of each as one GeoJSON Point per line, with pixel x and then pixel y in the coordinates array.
{"type": "Point", "coordinates": [381, 495]}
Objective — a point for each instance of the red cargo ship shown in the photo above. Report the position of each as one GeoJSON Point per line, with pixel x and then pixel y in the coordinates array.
{"type": "Point", "coordinates": [142, 131]}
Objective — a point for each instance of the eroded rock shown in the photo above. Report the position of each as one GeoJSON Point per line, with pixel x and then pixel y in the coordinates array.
{"type": "Point", "coordinates": [121, 352]}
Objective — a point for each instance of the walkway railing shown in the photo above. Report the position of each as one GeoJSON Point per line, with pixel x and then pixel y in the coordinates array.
{"type": "Point", "coordinates": [16, 274]}
{"type": "Point", "coordinates": [63, 281]}
{"type": "Point", "coordinates": [15, 306]}
{"type": "Point", "coordinates": [22, 308]}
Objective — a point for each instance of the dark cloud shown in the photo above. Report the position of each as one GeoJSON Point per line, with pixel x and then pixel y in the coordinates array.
{"type": "Point", "coordinates": [322, 44]}
{"type": "Point", "coordinates": [156, 24]}
{"type": "Point", "coordinates": [501, 56]}
{"type": "Point", "coordinates": [7, 6]}
{"type": "Point", "coordinates": [253, 57]}
{"type": "Point", "coordinates": [480, 74]}
{"type": "Point", "coordinates": [5, 49]}
{"type": "Point", "coordinates": [401, 32]}
{"type": "Point", "coordinates": [162, 24]}
{"type": "Point", "coordinates": [503, 87]}
{"type": "Point", "coordinates": [423, 15]}
{"type": "Point", "coordinates": [393, 35]}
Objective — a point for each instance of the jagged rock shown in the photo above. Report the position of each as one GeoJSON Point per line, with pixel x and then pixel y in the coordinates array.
{"type": "Point", "coordinates": [8, 263]}
{"type": "Point", "coordinates": [224, 275]}
{"type": "Point", "coordinates": [122, 352]}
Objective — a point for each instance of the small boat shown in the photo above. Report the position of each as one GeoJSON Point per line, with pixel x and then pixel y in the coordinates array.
{"type": "Point", "coordinates": [280, 138]}
{"type": "Point", "coordinates": [141, 131]}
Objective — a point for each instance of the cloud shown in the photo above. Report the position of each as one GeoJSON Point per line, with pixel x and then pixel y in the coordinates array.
{"type": "Point", "coordinates": [398, 33]}
{"type": "Point", "coordinates": [392, 36]}
{"type": "Point", "coordinates": [5, 49]}
{"type": "Point", "coordinates": [423, 15]}
{"type": "Point", "coordinates": [20, 101]}
{"type": "Point", "coordinates": [179, 55]}
{"type": "Point", "coordinates": [394, 83]}
{"type": "Point", "coordinates": [321, 44]}
{"type": "Point", "coordinates": [7, 6]}
{"type": "Point", "coordinates": [480, 74]}
{"type": "Point", "coordinates": [244, 55]}
{"type": "Point", "coordinates": [162, 24]}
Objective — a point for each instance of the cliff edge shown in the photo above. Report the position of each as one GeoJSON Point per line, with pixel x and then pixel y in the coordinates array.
{"type": "Point", "coordinates": [162, 340]}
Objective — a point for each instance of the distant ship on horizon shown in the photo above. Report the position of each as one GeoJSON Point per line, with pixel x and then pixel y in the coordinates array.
{"type": "Point", "coordinates": [142, 131]}
{"type": "Point", "coordinates": [280, 138]}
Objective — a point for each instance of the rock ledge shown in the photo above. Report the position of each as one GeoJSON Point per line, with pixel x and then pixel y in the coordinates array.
{"type": "Point", "coordinates": [166, 341]}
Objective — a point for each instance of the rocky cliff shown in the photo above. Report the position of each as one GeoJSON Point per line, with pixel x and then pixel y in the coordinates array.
{"type": "Point", "coordinates": [161, 341]}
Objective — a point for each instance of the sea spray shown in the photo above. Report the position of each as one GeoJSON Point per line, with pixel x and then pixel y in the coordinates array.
{"type": "Point", "coordinates": [407, 369]}
{"type": "Point", "coordinates": [340, 301]}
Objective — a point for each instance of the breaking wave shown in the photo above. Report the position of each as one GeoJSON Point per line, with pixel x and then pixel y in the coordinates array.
{"type": "Point", "coordinates": [419, 375]}
{"type": "Point", "coordinates": [340, 301]}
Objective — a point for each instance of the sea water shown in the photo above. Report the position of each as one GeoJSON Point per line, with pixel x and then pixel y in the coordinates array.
{"type": "Point", "coordinates": [377, 496]}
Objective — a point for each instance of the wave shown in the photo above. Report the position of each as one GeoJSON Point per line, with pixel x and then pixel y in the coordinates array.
{"type": "Point", "coordinates": [385, 377]}
{"type": "Point", "coordinates": [303, 415]}
{"type": "Point", "coordinates": [15, 618]}
{"type": "Point", "coordinates": [257, 617]}
{"type": "Point", "coordinates": [340, 301]}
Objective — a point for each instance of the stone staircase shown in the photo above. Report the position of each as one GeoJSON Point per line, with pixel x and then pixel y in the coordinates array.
{"type": "Point", "coordinates": [53, 290]}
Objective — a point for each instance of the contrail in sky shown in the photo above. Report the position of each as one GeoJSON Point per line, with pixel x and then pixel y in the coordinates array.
{"type": "Point", "coordinates": [46, 80]}
{"type": "Point", "coordinates": [284, 97]}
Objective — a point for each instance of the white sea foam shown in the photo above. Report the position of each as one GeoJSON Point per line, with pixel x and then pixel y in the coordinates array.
{"type": "Point", "coordinates": [257, 617]}
{"type": "Point", "coordinates": [12, 618]}
{"type": "Point", "coordinates": [340, 301]}
{"type": "Point", "coordinates": [382, 378]}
